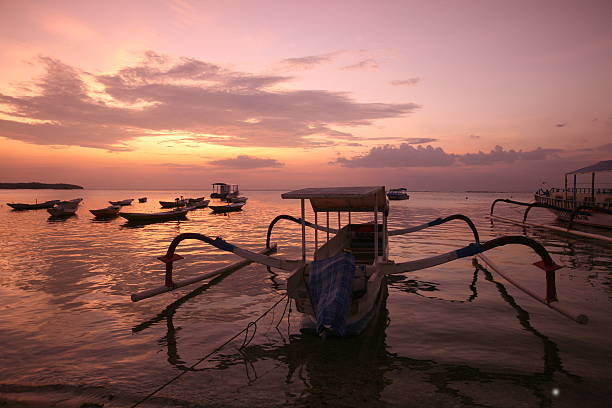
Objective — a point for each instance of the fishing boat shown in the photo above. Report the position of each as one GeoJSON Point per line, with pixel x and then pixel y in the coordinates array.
{"type": "Point", "coordinates": [178, 202]}
{"type": "Point", "coordinates": [339, 290]}
{"type": "Point", "coordinates": [224, 208]}
{"type": "Point", "coordinates": [196, 204]}
{"type": "Point", "coordinates": [590, 205]}
{"type": "Point", "coordinates": [142, 200]}
{"type": "Point", "coordinates": [398, 194]}
{"type": "Point", "coordinates": [65, 208]}
{"type": "Point", "coordinates": [223, 190]}
{"type": "Point", "coordinates": [108, 212]}
{"type": "Point", "coordinates": [35, 206]}
{"type": "Point", "coordinates": [122, 202]}
{"type": "Point", "coordinates": [176, 214]}
{"type": "Point", "coordinates": [239, 199]}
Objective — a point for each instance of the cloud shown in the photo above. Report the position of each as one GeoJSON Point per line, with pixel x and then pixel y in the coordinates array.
{"type": "Point", "coordinates": [406, 82]}
{"type": "Point", "coordinates": [406, 155]}
{"type": "Point", "coordinates": [418, 140]}
{"type": "Point", "coordinates": [246, 162]}
{"type": "Point", "coordinates": [169, 95]}
{"type": "Point", "coordinates": [474, 136]}
{"type": "Point", "coordinates": [308, 62]}
{"type": "Point", "coordinates": [364, 64]}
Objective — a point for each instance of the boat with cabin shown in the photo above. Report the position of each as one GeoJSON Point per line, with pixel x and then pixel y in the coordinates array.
{"type": "Point", "coordinates": [340, 288]}
{"type": "Point", "coordinates": [223, 190]}
{"type": "Point", "coordinates": [398, 194]}
{"type": "Point", "coordinates": [35, 206]}
{"type": "Point", "coordinates": [589, 205]}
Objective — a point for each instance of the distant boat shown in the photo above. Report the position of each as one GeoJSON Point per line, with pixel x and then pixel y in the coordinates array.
{"type": "Point", "coordinates": [65, 208]}
{"type": "Point", "coordinates": [223, 190]}
{"type": "Point", "coordinates": [226, 207]}
{"type": "Point", "coordinates": [398, 194]}
{"type": "Point", "coordinates": [37, 206]}
{"type": "Point", "coordinates": [107, 212]}
{"type": "Point", "coordinates": [195, 204]}
{"type": "Point", "coordinates": [178, 202]}
{"type": "Point", "coordinates": [239, 199]}
{"type": "Point", "coordinates": [122, 202]}
{"type": "Point", "coordinates": [142, 200]}
{"type": "Point", "coordinates": [176, 214]}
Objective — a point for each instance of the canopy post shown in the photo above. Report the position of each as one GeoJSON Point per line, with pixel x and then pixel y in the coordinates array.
{"type": "Point", "coordinates": [574, 188]}
{"type": "Point", "coordinates": [316, 231]}
{"type": "Point", "coordinates": [303, 230]}
{"type": "Point", "coordinates": [565, 187]}
{"type": "Point", "coordinates": [375, 228]}
{"type": "Point", "coordinates": [327, 214]}
{"type": "Point", "coordinates": [338, 220]}
{"type": "Point", "coordinates": [593, 188]}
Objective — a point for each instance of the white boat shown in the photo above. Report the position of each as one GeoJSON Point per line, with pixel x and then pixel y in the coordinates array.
{"type": "Point", "coordinates": [224, 208]}
{"type": "Point", "coordinates": [398, 194]}
{"type": "Point", "coordinates": [176, 214]}
{"type": "Point", "coordinates": [122, 202]}
{"type": "Point", "coordinates": [65, 208]}
{"type": "Point", "coordinates": [588, 205]}
{"type": "Point", "coordinates": [110, 211]}
{"type": "Point", "coordinates": [342, 288]}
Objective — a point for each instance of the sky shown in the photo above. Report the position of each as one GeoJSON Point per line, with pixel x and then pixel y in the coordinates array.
{"type": "Point", "coordinates": [427, 95]}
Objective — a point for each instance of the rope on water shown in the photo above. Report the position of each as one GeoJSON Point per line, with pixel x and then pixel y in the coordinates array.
{"type": "Point", "coordinates": [246, 341]}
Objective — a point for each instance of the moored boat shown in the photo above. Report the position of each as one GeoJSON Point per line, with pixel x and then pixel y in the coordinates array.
{"type": "Point", "coordinates": [398, 194]}
{"type": "Point", "coordinates": [239, 199]}
{"type": "Point", "coordinates": [196, 204]}
{"type": "Point", "coordinates": [226, 207]}
{"type": "Point", "coordinates": [35, 206]}
{"type": "Point", "coordinates": [178, 202]}
{"type": "Point", "coordinates": [65, 208]}
{"type": "Point", "coordinates": [589, 205]}
{"type": "Point", "coordinates": [110, 211]}
{"type": "Point", "coordinates": [142, 200]}
{"type": "Point", "coordinates": [176, 214]}
{"type": "Point", "coordinates": [223, 190]}
{"type": "Point", "coordinates": [122, 202]}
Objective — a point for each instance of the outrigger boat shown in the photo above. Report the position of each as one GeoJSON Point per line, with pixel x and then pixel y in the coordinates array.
{"type": "Point", "coordinates": [225, 208]}
{"type": "Point", "coordinates": [127, 201]}
{"type": "Point", "coordinates": [341, 289]}
{"type": "Point", "coordinates": [65, 208]}
{"type": "Point", "coordinates": [108, 212]}
{"type": "Point", "coordinates": [176, 214]}
{"type": "Point", "coordinates": [36, 206]}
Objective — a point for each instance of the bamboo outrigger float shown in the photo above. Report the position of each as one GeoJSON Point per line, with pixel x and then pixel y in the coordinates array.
{"type": "Point", "coordinates": [341, 289]}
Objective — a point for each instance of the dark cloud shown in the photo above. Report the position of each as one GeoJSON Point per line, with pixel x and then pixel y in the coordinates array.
{"type": "Point", "coordinates": [406, 155]}
{"type": "Point", "coordinates": [246, 162]}
{"type": "Point", "coordinates": [418, 140]}
{"type": "Point", "coordinates": [167, 95]}
{"type": "Point", "coordinates": [364, 64]}
{"type": "Point", "coordinates": [406, 82]}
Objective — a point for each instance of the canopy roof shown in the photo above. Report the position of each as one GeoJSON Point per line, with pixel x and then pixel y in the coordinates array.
{"type": "Point", "coordinates": [356, 199]}
{"type": "Point", "coordinates": [605, 165]}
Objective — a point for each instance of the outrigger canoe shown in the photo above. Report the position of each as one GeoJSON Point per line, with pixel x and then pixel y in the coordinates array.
{"type": "Point", "coordinates": [341, 288]}
{"type": "Point", "coordinates": [176, 214]}
{"type": "Point", "coordinates": [108, 212]}
{"type": "Point", "coordinates": [226, 207]}
{"type": "Point", "coordinates": [36, 206]}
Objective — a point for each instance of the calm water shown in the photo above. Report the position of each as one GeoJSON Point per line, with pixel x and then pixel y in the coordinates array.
{"type": "Point", "coordinates": [69, 333]}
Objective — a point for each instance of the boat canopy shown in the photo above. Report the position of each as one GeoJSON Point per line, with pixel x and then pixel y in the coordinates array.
{"type": "Point", "coordinates": [333, 199]}
{"type": "Point", "coordinates": [605, 165]}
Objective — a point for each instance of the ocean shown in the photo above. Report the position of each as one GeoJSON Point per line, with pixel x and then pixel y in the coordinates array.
{"type": "Point", "coordinates": [450, 336]}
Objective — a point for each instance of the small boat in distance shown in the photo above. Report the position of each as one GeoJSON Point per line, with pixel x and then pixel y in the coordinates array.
{"type": "Point", "coordinates": [142, 200]}
{"type": "Point", "coordinates": [223, 190]}
{"type": "Point", "coordinates": [226, 207]}
{"type": "Point", "coordinates": [178, 202]}
{"type": "Point", "coordinates": [398, 194]}
{"type": "Point", "coordinates": [195, 204]}
{"type": "Point", "coordinates": [583, 205]}
{"type": "Point", "coordinates": [176, 214]}
{"type": "Point", "coordinates": [122, 202]}
{"type": "Point", "coordinates": [65, 208]}
{"type": "Point", "coordinates": [36, 206]}
{"type": "Point", "coordinates": [240, 199]}
{"type": "Point", "coordinates": [108, 212]}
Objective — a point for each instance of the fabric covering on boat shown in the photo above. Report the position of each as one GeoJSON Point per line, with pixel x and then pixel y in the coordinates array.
{"type": "Point", "coordinates": [330, 285]}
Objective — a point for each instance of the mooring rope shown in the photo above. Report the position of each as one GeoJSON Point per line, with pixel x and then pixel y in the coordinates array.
{"type": "Point", "coordinates": [198, 362]}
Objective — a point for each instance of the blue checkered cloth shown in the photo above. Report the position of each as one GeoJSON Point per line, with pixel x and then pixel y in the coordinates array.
{"type": "Point", "coordinates": [330, 285]}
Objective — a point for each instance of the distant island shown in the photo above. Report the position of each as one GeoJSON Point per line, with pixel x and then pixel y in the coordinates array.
{"type": "Point", "coordinates": [40, 186]}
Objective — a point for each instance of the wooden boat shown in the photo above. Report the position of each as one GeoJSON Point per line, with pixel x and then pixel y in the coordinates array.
{"type": "Point", "coordinates": [226, 207]}
{"type": "Point", "coordinates": [142, 200]}
{"type": "Point", "coordinates": [340, 289]}
{"type": "Point", "coordinates": [176, 214]}
{"type": "Point", "coordinates": [36, 206]}
{"type": "Point", "coordinates": [398, 194]}
{"type": "Point", "coordinates": [65, 208]}
{"type": "Point", "coordinates": [178, 202]}
{"type": "Point", "coordinates": [108, 212]}
{"type": "Point", "coordinates": [196, 204]}
{"type": "Point", "coordinates": [583, 205]}
{"type": "Point", "coordinates": [122, 202]}
{"type": "Point", "coordinates": [223, 190]}
{"type": "Point", "coordinates": [239, 199]}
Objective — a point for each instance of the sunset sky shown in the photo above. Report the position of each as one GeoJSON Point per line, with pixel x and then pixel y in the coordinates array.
{"type": "Point", "coordinates": [428, 95]}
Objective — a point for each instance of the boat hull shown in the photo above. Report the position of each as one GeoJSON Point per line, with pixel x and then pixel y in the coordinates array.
{"type": "Point", "coordinates": [563, 209]}
{"type": "Point", "coordinates": [226, 208]}
{"type": "Point", "coordinates": [38, 206]}
{"type": "Point", "coordinates": [106, 212]}
{"type": "Point", "coordinates": [154, 217]}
